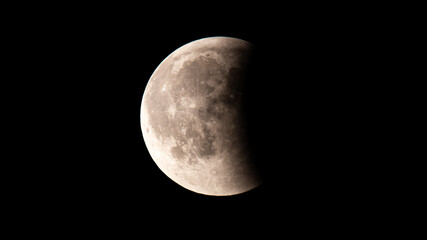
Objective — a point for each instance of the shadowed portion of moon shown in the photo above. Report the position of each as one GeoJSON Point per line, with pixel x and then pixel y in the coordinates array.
{"type": "Point", "coordinates": [193, 119]}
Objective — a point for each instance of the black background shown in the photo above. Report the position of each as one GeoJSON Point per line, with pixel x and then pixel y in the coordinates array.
{"type": "Point", "coordinates": [307, 106]}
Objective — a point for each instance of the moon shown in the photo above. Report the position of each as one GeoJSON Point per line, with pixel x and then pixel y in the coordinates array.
{"type": "Point", "coordinates": [192, 120]}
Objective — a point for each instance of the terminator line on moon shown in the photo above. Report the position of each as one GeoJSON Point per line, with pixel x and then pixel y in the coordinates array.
{"type": "Point", "coordinates": [191, 117]}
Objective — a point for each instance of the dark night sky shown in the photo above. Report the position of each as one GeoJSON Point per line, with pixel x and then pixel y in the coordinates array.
{"type": "Point", "coordinates": [305, 112]}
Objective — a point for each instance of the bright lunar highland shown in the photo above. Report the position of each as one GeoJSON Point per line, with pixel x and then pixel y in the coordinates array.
{"type": "Point", "coordinates": [192, 119]}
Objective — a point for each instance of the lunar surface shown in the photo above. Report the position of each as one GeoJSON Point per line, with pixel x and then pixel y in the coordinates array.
{"type": "Point", "coordinates": [192, 121]}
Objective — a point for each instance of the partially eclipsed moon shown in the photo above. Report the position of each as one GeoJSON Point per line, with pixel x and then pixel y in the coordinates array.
{"type": "Point", "coordinates": [191, 117]}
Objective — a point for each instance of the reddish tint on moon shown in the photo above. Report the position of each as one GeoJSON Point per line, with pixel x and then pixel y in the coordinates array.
{"type": "Point", "coordinates": [192, 121]}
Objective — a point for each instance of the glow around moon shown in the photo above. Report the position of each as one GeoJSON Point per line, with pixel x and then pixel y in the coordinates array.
{"type": "Point", "coordinates": [191, 117]}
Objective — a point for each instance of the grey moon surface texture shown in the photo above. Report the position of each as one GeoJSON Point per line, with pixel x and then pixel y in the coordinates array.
{"type": "Point", "coordinates": [191, 117]}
